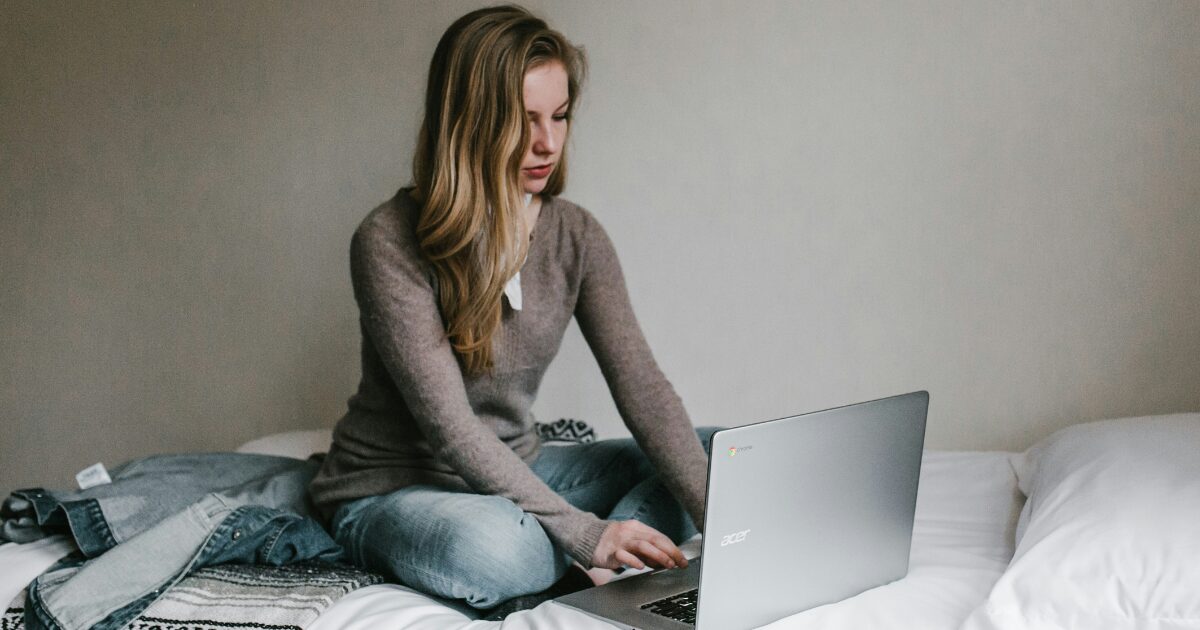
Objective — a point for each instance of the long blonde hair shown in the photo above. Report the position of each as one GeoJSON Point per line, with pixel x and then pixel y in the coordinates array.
{"type": "Point", "coordinates": [467, 166]}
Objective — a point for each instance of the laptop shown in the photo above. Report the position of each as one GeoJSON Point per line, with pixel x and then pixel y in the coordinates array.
{"type": "Point", "coordinates": [800, 512]}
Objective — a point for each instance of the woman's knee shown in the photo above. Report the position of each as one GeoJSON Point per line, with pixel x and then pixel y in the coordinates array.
{"type": "Point", "coordinates": [482, 549]}
{"type": "Point", "coordinates": [503, 555]}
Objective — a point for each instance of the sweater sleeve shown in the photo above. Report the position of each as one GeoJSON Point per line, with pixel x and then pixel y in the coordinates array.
{"type": "Point", "coordinates": [400, 313]}
{"type": "Point", "coordinates": [645, 399]}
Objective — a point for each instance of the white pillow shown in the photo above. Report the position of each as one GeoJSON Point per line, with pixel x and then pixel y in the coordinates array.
{"type": "Point", "coordinates": [1109, 537]}
{"type": "Point", "coordinates": [295, 444]}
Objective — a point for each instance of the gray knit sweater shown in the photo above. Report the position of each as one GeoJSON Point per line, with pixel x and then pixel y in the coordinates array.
{"type": "Point", "coordinates": [418, 419]}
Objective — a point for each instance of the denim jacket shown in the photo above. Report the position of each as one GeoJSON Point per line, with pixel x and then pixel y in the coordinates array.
{"type": "Point", "coordinates": [161, 518]}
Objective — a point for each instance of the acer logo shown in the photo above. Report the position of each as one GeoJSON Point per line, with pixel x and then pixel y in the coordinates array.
{"type": "Point", "coordinates": [734, 538]}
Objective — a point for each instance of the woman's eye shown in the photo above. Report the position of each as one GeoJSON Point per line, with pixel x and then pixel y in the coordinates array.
{"type": "Point", "coordinates": [561, 117]}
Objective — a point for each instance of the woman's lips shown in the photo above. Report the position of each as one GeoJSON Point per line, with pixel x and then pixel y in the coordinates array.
{"type": "Point", "coordinates": [538, 172]}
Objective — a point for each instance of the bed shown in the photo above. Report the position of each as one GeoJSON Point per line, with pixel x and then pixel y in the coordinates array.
{"type": "Point", "coordinates": [1096, 527]}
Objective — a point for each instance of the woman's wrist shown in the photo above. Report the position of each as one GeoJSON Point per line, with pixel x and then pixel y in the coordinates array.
{"type": "Point", "coordinates": [584, 547]}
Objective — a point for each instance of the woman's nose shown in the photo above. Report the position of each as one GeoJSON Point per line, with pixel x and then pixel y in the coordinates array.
{"type": "Point", "coordinates": [544, 142]}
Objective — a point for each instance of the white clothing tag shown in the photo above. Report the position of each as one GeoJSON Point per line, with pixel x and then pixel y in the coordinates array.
{"type": "Point", "coordinates": [512, 290]}
{"type": "Point", "coordinates": [92, 476]}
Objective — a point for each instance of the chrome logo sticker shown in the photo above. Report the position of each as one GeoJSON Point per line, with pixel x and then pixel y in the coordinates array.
{"type": "Point", "coordinates": [733, 450]}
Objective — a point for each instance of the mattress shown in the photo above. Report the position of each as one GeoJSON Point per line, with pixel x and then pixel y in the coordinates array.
{"type": "Point", "coordinates": [967, 507]}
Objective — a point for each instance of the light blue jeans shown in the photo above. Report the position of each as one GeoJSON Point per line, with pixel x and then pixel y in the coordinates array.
{"type": "Point", "coordinates": [484, 549]}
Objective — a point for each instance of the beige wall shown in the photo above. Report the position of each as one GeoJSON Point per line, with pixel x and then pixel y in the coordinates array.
{"type": "Point", "coordinates": [815, 203]}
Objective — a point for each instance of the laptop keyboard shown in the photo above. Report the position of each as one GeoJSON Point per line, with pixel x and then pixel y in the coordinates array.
{"type": "Point", "coordinates": [681, 607]}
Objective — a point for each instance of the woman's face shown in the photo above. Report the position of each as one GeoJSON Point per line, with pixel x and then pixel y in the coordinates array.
{"type": "Point", "coordinates": [546, 101]}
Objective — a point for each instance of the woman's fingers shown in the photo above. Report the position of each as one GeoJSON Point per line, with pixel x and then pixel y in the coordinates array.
{"type": "Point", "coordinates": [628, 559]}
{"type": "Point", "coordinates": [662, 551]}
{"type": "Point", "coordinates": [647, 550]}
{"type": "Point", "coordinates": [662, 542]}
{"type": "Point", "coordinates": [636, 545]}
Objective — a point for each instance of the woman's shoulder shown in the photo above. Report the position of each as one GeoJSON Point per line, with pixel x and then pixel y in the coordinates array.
{"type": "Point", "coordinates": [391, 225]}
{"type": "Point", "coordinates": [581, 242]}
{"type": "Point", "coordinates": [574, 219]}
{"type": "Point", "coordinates": [394, 218]}
{"type": "Point", "coordinates": [386, 237]}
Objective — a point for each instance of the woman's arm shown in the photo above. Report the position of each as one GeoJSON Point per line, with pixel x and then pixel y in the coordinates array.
{"type": "Point", "coordinates": [645, 399]}
{"type": "Point", "coordinates": [400, 313]}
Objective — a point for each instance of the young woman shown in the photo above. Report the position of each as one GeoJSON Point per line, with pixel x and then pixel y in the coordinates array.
{"type": "Point", "coordinates": [465, 283]}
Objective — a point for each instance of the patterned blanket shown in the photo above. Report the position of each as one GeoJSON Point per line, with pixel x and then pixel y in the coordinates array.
{"type": "Point", "coordinates": [239, 597]}
{"type": "Point", "coordinates": [566, 430]}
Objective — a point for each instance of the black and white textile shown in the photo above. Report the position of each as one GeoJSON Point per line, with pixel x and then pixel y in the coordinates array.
{"type": "Point", "coordinates": [566, 430]}
{"type": "Point", "coordinates": [240, 597]}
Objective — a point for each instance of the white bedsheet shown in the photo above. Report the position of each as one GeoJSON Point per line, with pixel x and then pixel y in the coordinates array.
{"type": "Point", "coordinates": [967, 507]}
{"type": "Point", "coordinates": [19, 564]}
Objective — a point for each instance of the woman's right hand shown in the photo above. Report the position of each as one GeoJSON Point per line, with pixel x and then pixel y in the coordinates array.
{"type": "Point", "coordinates": [634, 544]}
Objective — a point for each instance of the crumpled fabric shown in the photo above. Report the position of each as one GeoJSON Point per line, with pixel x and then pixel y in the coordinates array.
{"type": "Point", "coordinates": [145, 491]}
{"type": "Point", "coordinates": [160, 519]}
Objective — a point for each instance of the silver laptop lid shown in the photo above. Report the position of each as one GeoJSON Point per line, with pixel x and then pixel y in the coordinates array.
{"type": "Point", "coordinates": [808, 510]}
